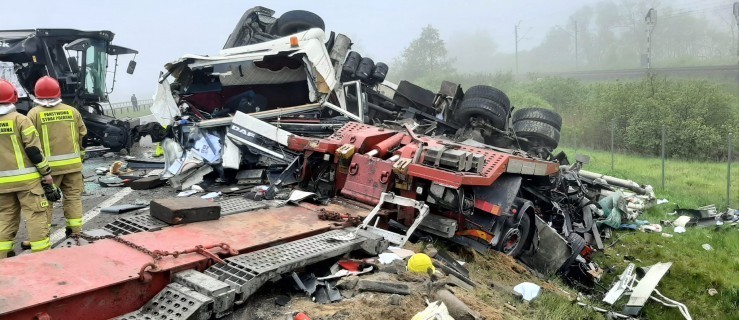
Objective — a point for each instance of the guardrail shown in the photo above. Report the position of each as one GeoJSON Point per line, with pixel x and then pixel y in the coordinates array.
{"type": "Point", "coordinates": [127, 107]}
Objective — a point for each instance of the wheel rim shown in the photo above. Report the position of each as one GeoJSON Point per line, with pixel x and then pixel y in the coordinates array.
{"type": "Point", "coordinates": [511, 240]}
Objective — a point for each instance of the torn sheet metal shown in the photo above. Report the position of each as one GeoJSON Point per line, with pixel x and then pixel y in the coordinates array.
{"type": "Point", "coordinates": [164, 108]}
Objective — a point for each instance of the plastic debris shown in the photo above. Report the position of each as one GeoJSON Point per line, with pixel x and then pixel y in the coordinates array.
{"type": "Point", "coordinates": [681, 221]}
{"type": "Point", "coordinates": [712, 292]}
{"type": "Point", "coordinates": [529, 291]}
{"type": "Point", "coordinates": [707, 247]}
{"type": "Point", "coordinates": [211, 195]}
{"type": "Point", "coordinates": [388, 257]}
{"type": "Point", "coordinates": [187, 193]}
{"type": "Point", "coordinates": [434, 311]}
{"type": "Point", "coordinates": [662, 201]}
{"type": "Point", "coordinates": [403, 253]}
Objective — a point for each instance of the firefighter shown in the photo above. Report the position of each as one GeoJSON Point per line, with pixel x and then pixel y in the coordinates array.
{"type": "Point", "coordinates": [22, 166]}
{"type": "Point", "coordinates": [61, 130]}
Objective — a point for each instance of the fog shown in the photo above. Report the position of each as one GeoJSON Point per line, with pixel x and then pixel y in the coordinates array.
{"type": "Point", "coordinates": [479, 35]}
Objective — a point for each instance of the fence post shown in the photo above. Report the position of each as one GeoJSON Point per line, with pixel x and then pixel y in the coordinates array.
{"type": "Point", "coordinates": [663, 157]}
{"type": "Point", "coordinates": [728, 171]}
{"type": "Point", "coordinates": [613, 129]}
{"type": "Point", "coordinates": [574, 116]}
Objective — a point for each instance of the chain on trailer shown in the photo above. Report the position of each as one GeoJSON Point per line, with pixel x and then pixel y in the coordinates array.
{"type": "Point", "coordinates": [157, 255]}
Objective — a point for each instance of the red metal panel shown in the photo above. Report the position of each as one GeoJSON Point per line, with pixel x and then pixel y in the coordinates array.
{"type": "Point", "coordinates": [100, 281]}
{"type": "Point", "coordinates": [368, 178]}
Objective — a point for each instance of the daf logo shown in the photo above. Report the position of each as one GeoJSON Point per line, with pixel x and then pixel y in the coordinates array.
{"type": "Point", "coordinates": [242, 130]}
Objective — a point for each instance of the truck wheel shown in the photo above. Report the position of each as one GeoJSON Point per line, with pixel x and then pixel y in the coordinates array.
{"type": "Point", "coordinates": [539, 114]}
{"type": "Point", "coordinates": [514, 238]}
{"type": "Point", "coordinates": [295, 21]}
{"type": "Point", "coordinates": [539, 133]}
{"type": "Point", "coordinates": [490, 93]}
{"type": "Point", "coordinates": [481, 107]}
{"type": "Point", "coordinates": [577, 243]}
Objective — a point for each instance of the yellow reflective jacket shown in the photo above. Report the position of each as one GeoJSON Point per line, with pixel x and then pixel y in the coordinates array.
{"type": "Point", "coordinates": [17, 172]}
{"type": "Point", "coordinates": [61, 130]}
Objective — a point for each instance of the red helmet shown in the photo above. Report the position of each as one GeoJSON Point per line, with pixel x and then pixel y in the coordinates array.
{"type": "Point", "coordinates": [8, 94]}
{"type": "Point", "coordinates": [47, 88]}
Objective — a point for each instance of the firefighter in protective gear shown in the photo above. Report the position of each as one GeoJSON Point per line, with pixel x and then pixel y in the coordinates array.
{"type": "Point", "coordinates": [22, 166]}
{"type": "Point", "coordinates": [61, 130]}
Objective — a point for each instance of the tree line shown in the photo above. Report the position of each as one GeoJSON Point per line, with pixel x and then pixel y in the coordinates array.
{"type": "Point", "coordinates": [697, 114]}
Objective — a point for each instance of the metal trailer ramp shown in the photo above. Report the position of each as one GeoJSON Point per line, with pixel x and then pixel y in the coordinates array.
{"type": "Point", "coordinates": [246, 273]}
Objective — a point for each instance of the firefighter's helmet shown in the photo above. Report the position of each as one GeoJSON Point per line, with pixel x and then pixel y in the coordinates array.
{"type": "Point", "coordinates": [8, 94]}
{"type": "Point", "coordinates": [47, 88]}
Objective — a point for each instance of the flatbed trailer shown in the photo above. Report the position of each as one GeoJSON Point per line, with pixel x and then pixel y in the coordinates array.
{"type": "Point", "coordinates": [107, 279]}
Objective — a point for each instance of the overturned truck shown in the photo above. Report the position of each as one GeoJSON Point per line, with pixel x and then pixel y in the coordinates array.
{"type": "Point", "coordinates": [284, 97]}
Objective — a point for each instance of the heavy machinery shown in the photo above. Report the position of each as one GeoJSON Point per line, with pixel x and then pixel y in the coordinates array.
{"type": "Point", "coordinates": [79, 61]}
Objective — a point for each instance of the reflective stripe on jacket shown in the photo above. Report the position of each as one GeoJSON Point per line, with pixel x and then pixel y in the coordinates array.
{"type": "Point", "coordinates": [17, 172]}
{"type": "Point", "coordinates": [61, 130]}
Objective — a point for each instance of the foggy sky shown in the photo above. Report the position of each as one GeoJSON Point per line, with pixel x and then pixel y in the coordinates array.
{"type": "Point", "coordinates": [164, 30]}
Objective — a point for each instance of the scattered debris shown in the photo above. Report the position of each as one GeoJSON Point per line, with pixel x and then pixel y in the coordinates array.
{"type": "Point", "coordinates": [457, 309]}
{"type": "Point", "coordinates": [121, 208]}
{"type": "Point", "coordinates": [147, 183]}
{"type": "Point", "coordinates": [384, 287]}
{"type": "Point", "coordinates": [434, 311]}
{"type": "Point", "coordinates": [187, 210]}
{"type": "Point", "coordinates": [388, 257]}
{"type": "Point", "coordinates": [527, 290]}
{"type": "Point", "coordinates": [707, 247]}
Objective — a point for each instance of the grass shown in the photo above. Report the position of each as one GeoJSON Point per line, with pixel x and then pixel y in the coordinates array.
{"type": "Point", "coordinates": [694, 270]}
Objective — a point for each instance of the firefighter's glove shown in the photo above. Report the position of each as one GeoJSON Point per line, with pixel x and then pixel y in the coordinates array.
{"type": "Point", "coordinates": [52, 192]}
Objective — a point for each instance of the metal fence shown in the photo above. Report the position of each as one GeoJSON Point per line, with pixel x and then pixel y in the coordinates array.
{"type": "Point", "coordinates": [572, 142]}
{"type": "Point", "coordinates": [120, 108]}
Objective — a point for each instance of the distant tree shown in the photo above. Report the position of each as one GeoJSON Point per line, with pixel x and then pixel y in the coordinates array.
{"type": "Point", "coordinates": [473, 52]}
{"type": "Point", "coordinates": [425, 57]}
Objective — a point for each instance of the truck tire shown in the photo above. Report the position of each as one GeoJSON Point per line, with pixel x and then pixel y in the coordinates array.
{"type": "Point", "coordinates": [481, 107]}
{"type": "Point", "coordinates": [514, 238]}
{"type": "Point", "coordinates": [539, 133]}
{"type": "Point", "coordinates": [364, 70]}
{"type": "Point", "coordinates": [577, 243]}
{"type": "Point", "coordinates": [379, 73]}
{"type": "Point", "coordinates": [539, 114]}
{"type": "Point", "coordinates": [490, 93]}
{"type": "Point", "coordinates": [295, 21]}
{"type": "Point", "coordinates": [350, 66]}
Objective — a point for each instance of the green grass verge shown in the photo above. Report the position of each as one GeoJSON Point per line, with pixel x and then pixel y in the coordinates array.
{"type": "Point", "coordinates": [694, 270]}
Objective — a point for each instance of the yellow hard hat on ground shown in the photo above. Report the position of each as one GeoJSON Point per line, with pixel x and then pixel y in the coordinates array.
{"type": "Point", "coordinates": [420, 263]}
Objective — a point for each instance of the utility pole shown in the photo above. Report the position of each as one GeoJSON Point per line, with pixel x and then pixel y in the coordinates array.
{"type": "Point", "coordinates": [613, 131]}
{"type": "Point", "coordinates": [577, 51]}
{"type": "Point", "coordinates": [651, 20]}
{"type": "Point", "coordinates": [518, 39]}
